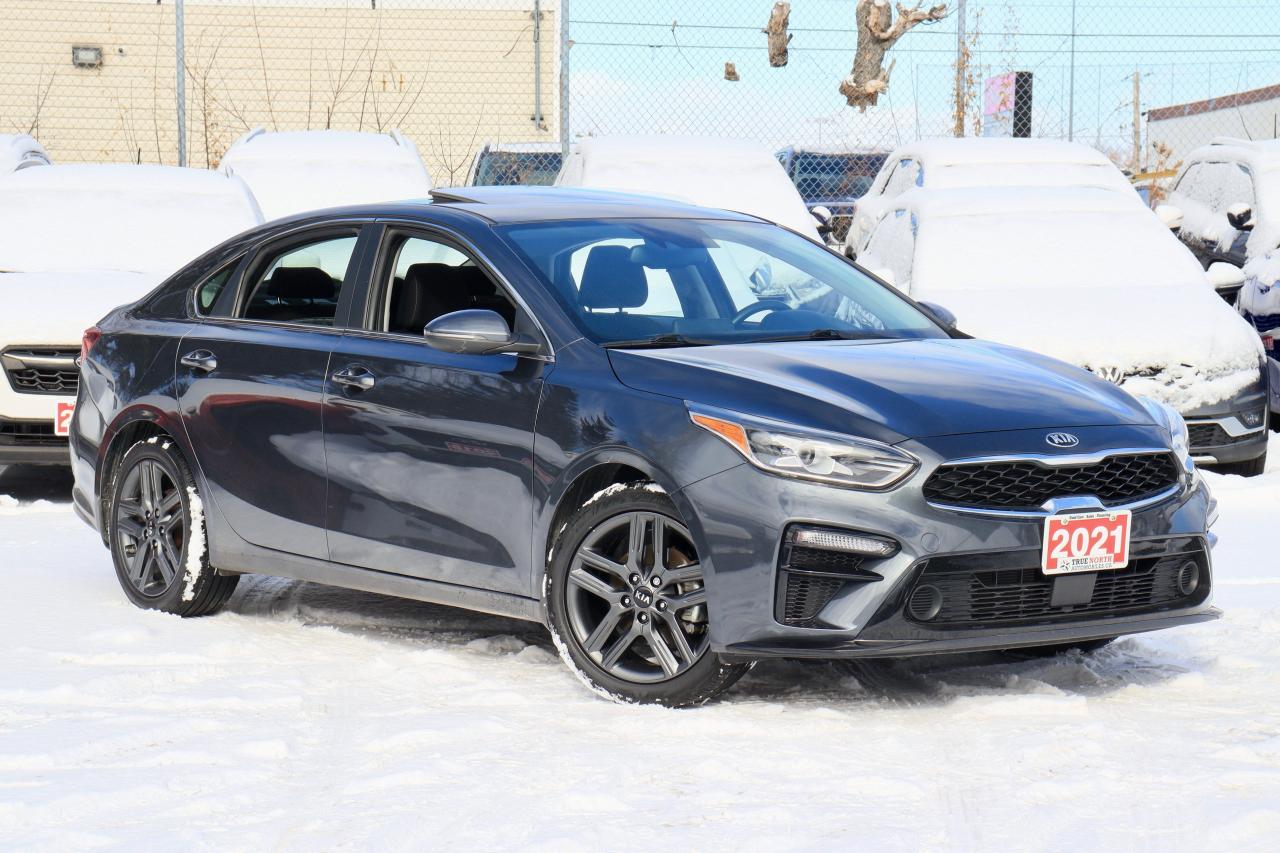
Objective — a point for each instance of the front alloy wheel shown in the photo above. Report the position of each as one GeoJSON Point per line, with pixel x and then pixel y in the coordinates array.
{"type": "Point", "coordinates": [628, 602]}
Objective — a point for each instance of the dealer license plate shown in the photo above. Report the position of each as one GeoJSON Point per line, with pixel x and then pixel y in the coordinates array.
{"type": "Point", "coordinates": [1086, 542]}
{"type": "Point", "coordinates": [62, 413]}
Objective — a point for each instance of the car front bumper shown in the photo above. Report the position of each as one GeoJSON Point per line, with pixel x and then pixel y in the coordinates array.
{"type": "Point", "coordinates": [1221, 433]}
{"type": "Point", "coordinates": [27, 418]}
{"type": "Point", "coordinates": [740, 516]}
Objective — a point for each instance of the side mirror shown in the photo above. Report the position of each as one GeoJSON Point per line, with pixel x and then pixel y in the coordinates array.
{"type": "Point", "coordinates": [476, 332]}
{"type": "Point", "coordinates": [941, 314]}
{"type": "Point", "coordinates": [1170, 215]}
{"type": "Point", "coordinates": [822, 214]}
{"type": "Point", "coordinates": [1223, 275]}
{"type": "Point", "coordinates": [1240, 216]}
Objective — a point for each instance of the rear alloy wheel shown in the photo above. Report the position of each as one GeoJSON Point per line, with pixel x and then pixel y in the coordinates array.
{"type": "Point", "coordinates": [154, 525]}
{"type": "Point", "coordinates": [627, 602]}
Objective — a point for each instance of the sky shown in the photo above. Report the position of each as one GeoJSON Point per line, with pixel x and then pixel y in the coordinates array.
{"type": "Point", "coordinates": [632, 72]}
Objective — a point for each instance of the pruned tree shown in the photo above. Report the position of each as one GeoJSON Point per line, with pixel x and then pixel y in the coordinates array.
{"type": "Point", "coordinates": [779, 38]}
{"type": "Point", "coordinates": [878, 31]}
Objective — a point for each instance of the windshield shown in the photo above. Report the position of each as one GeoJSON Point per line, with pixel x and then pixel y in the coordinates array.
{"type": "Point", "coordinates": [683, 281]}
{"type": "Point", "coordinates": [820, 176]}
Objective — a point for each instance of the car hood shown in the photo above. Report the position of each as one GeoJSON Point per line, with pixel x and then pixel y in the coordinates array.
{"type": "Point", "coordinates": [887, 390]}
{"type": "Point", "coordinates": [1181, 344]}
{"type": "Point", "coordinates": [56, 307]}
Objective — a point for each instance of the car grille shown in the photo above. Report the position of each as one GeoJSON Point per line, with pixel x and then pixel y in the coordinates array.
{"type": "Point", "coordinates": [29, 434]}
{"type": "Point", "coordinates": [42, 370]}
{"type": "Point", "coordinates": [1212, 435]}
{"type": "Point", "coordinates": [976, 590]}
{"type": "Point", "coordinates": [1027, 484]}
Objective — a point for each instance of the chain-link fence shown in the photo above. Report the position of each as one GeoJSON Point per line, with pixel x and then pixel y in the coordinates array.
{"type": "Point", "coordinates": [1141, 80]}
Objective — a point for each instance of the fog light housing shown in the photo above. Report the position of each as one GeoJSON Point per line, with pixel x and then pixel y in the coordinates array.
{"type": "Point", "coordinates": [1254, 419]}
{"type": "Point", "coordinates": [825, 539]}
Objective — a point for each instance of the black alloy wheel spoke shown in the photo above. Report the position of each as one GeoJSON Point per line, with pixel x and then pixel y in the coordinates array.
{"type": "Point", "coordinates": [150, 527]}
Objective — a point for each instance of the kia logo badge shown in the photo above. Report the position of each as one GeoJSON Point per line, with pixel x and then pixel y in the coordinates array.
{"type": "Point", "coordinates": [1061, 439]}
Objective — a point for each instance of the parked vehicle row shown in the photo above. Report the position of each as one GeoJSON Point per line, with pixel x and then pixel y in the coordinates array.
{"type": "Point", "coordinates": [498, 411]}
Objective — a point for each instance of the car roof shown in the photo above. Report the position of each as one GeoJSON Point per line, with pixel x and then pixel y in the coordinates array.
{"type": "Point", "coordinates": [1260, 154]}
{"type": "Point", "coordinates": [983, 201]}
{"type": "Point", "coordinates": [509, 204]}
{"type": "Point", "coordinates": [1004, 151]}
{"type": "Point", "coordinates": [126, 177]}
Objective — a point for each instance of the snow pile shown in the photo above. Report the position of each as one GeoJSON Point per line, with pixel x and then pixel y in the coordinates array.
{"type": "Point", "coordinates": [148, 219]}
{"type": "Point", "coordinates": [20, 151]}
{"type": "Point", "coordinates": [1084, 276]}
{"type": "Point", "coordinates": [297, 171]}
{"type": "Point", "coordinates": [729, 174]}
{"type": "Point", "coordinates": [308, 717]}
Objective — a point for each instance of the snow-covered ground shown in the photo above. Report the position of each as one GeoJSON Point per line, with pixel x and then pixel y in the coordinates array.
{"type": "Point", "coordinates": [304, 718]}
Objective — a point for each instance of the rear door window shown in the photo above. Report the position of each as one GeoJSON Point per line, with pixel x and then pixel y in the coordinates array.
{"type": "Point", "coordinates": [301, 284]}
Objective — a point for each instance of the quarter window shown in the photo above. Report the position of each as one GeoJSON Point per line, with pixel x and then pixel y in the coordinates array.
{"type": "Point", "coordinates": [208, 291]}
{"type": "Point", "coordinates": [302, 284]}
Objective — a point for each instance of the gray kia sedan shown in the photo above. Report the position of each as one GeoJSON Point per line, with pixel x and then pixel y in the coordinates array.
{"type": "Point", "coordinates": [682, 439]}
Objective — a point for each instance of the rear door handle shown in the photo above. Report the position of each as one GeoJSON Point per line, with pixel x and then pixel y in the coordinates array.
{"type": "Point", "coordinates": [200, 359]}
{"type": "Point", "coordinates": [355, 376]}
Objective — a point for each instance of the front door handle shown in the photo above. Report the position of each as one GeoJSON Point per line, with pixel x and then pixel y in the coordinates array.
{"type": "Point", "coordinates": [355, 376]}
{"type": "Point", "coordinates": [200, 359]}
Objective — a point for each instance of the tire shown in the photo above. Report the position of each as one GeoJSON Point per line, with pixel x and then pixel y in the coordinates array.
{"type": "Point", "coordinates": [624, 637]}
{"type": "Point", "coordinates": [152, 538]}
{"type": "Point", "coordinates": [1247, 468]}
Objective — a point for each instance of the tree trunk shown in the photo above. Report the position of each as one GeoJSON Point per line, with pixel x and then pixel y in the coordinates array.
{"type": "Point", "coordinates": [877, 33]}
{"type": "Point", "coordinates": [779, 38]}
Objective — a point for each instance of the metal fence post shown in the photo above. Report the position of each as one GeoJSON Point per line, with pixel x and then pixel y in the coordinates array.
{"type": "Point", "coordinates": [181, 82]}
{"type": "Point", "coordinates": [564, 79]}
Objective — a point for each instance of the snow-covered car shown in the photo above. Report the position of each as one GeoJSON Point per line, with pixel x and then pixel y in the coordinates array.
{"type": "Point", "coordinates": [1089, 277]}
{"type": "Point", "coordinates": [20, 151]}
{"type": "Point", "coordinates": [968, 163]}
{"type": "Point", "coordinates": [297, 171]}
{"type": "Point", "coordinates": [530, 164]}
{"type": "Point", "coordinates": [730, 174]}
{"type": "Point", "coordinates": [1259, 303]}
{"type": "Point", "coordinates": [75, 242]}
{"type": "Point", "coordinates": [833, 178]}
{"type": "Point", "coordinates": [1225, 205]}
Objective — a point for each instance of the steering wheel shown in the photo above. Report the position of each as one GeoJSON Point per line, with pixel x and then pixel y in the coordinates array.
{"type": "Point", "coordinates": [757, 307]}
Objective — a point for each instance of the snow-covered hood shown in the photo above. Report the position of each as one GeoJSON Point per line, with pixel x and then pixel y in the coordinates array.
{"type": "Point", "coordinates": [888, 391]}
{"type": "Point", "coordinates": [1181, 345]}
{"type": "Point", "coordinates": [56, 307]}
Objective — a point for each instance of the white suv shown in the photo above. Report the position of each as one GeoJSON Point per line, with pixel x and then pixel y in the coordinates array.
{"type": "Point", "coordinates": [76, 241]}
{"type": "Point", "coordinates": [965, 163]}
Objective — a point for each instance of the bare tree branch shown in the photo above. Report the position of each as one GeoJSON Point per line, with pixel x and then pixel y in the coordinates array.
{"type": "Point", "coordinates": [877, 33]}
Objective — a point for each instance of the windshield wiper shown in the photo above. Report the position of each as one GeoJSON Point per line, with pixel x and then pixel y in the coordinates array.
{"type": "Point", "coordinates": [657, 341]}
{"type": "Point", "coordinates": [816, 335]}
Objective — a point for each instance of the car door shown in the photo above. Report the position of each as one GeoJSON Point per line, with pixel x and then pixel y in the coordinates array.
{"type": "Point", "coordinates": [250, 383]}
{"type": "Point", "coordinates": [430, 454]}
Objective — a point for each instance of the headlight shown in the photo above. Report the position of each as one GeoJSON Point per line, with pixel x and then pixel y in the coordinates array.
{"type": "Point", "coordinates": [1169, 418]}
{"type": "Point", "coordinates": [855, 463]}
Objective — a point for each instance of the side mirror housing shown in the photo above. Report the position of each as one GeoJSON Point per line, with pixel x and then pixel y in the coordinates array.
{"type": "Point", "coordinates": [1223, 275]}
{"type": "Point", "coordinates": [1240, 216]}
{"type": "Point", "coordinates": [476, 332]}
{"type": "Point", "coordinates": [822, 215]}
{"type": "Point", "coordinates": [940, 313]}
{"type": "Point", "coordinates": [1170, 215]}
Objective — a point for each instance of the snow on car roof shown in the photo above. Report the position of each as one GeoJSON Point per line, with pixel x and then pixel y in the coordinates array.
{"type": "Point", "coordinates": [20, 150]}
{"type": "Point", "coordinates": [117, 216]}
{"type": "Point", "coordinates": [730, 174]}
{"type": "Point", "coordinates": [295, 171]}
{"type": "Point", "coordinates": [947, 152]}
{"type": "Point", "coordinates": [1260, 154]}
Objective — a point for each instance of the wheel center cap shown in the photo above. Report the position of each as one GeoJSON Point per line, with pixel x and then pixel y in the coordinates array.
{"type": "Point", "coordinates": [644, 598]}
